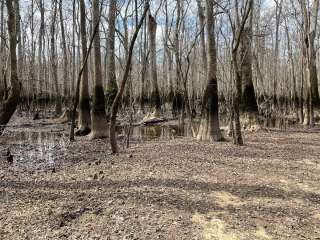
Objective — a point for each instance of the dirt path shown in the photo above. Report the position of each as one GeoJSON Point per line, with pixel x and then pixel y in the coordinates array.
{"type": "Point", "coordinates": [175, 189]}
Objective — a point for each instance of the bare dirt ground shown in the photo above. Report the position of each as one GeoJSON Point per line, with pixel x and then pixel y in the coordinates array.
{"type": "Point", "coordinates": [166, 189]}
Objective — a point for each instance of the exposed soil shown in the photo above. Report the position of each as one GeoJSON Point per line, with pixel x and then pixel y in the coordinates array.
{"type": "Point", "coordinates": [174, 188]}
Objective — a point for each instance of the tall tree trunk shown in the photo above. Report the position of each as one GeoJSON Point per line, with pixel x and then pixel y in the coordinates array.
{"type": "Point", "coordinates": [2, 51]}
{"type": "Point", "coordinates": [116, 102]}
{"type": "Point", "coordinates": [32, 83]}
{"type": "Point", "coordinates": [8, 107]}
{"type": "Point", "coordinates": [238, 32]}
{"type": "Point", "coordinates": [84, 101]}
{"type": "Point", "coordinates": [144, 56]}
{"type": "Point", "coordinates": [19, 39]}
{"type": "Point", "coordinates": [209, 125]}
{"type": "Point", "coordinates": [202, 35]}
{"type": "Point", "coordinates": [65, 55]}
{"type": "Point", "coordinates": [178, 103]}
{"type": "Point", "coordinates": [40, 49]}
{"type": "Point", "coordinates": [237, 136]}
{"type": "Point", "coordinates": [74, 29]}
{"type": "Point", "coordinates": [248, 99]}
{"type": "Point", "coordinates": [295, 97]}
{"type": "Point", "coordinates": [309, 53]}
{"type": "Point", "coordinates": [276, 52]}
{"type": "Point", "coordinates": [98, 117]}
{"type": "Point", "coordinates": [54, 70]}
{"type": "Point", "coordinates": [155, 96]}
{"type": "Point", "coordinates": [112, 87]}
{"type": "Point", "coordinates": [313, 78]}
{"type": "Point", "coordinates": [168, 58]}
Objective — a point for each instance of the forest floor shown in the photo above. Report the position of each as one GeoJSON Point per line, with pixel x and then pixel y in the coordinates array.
{"type": "Point", "coordinates": [175, 188]}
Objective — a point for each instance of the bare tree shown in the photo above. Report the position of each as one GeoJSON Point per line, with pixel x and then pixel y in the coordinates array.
{"type": "Point", "coordinates": [116, 102]}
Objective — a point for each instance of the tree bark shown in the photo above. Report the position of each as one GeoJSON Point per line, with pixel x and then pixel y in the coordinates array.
{"type": "Point", "coordinates": [40, 49]}
{"type": "Point", "coordinates": [248, 99]}
{"type": "Point", "coordinates": [2, 51]}
{"type": "Point", "coordinates": [168, 58]}
{"type": "Point", "coordinates": [84, 101]}
{"type": "Point", "coordinates": [202, 35]}
{"type": "Point", "coordinates": [112, 86]}
{"type": "Point", "coordinates": [238, 30]}
{"type": "Point", "coordinates": [98, 117]}
{"type": "Point", "coordinates": [313, 78]}
{"type": "Point", "coordinates": [83, 67]}
{"type": "Point", "coordinates": [8, 107]}
{"type": "Point", "coordinates": [65, 54]}
{"type": "Point", "coordinates": [209, 125]}
{"type": "Point", "coordinates": [311, 93]}
{"type": "Point", "coordinates": [276, 53]}
{"type": "Point", "coordinates": [178, 101]}
{"type": "Point", "coordinates": [54, 70]}
{"type": "Point", "coordinates": [155, 96]}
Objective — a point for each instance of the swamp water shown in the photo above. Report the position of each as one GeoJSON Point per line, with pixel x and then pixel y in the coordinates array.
{"type": "Point", "coordinates": [34, 148]}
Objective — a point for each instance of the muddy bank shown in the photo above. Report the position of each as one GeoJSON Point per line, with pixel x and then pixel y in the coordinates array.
{"type": "Point", "coordinates": [165, 188]}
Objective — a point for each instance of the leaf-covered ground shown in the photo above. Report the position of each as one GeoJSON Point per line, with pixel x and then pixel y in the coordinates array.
{"type": "Point", "coordinates": [165, 189]}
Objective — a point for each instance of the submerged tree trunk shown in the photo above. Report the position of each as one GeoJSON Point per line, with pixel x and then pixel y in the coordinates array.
{"type": "Point", "coordinates": [155, 96]}
{"type": "Point", "coordinates": [209, 126]}
{"type": "Point", "coordinates": [83, 131]}
{"type": "Point", "coordinates": [84, 101]}
{"type": "Point", "coordinates": [112, 87]}
{"type": "Point", "coordinates": [9, 105]}
{"type": "Point", "coordinates": [99, 120]}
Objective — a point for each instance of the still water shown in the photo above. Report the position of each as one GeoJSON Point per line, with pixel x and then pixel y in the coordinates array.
{"type": "Point", "coordinates": [36, 148]}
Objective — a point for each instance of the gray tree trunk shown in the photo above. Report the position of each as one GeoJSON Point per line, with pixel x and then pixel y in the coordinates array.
{"type": "Point", "coordinates": [112, 87]}
{"type": "Point", "coordinates": [84, 101]}
{"type": "Point", "coordinates": [98, 117]}
{"type": "Point", "coordinates": [8, 107]}
{"type": "Point", "coordinates": [54, 70]}
{"type": "Point", "coordinates": [155, 96]}
{"type": "Point", "coordinates": [209, 125]}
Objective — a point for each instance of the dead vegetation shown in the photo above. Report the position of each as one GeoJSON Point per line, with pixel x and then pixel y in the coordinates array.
{"type": "Point", "coordinates": [167, 189]}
